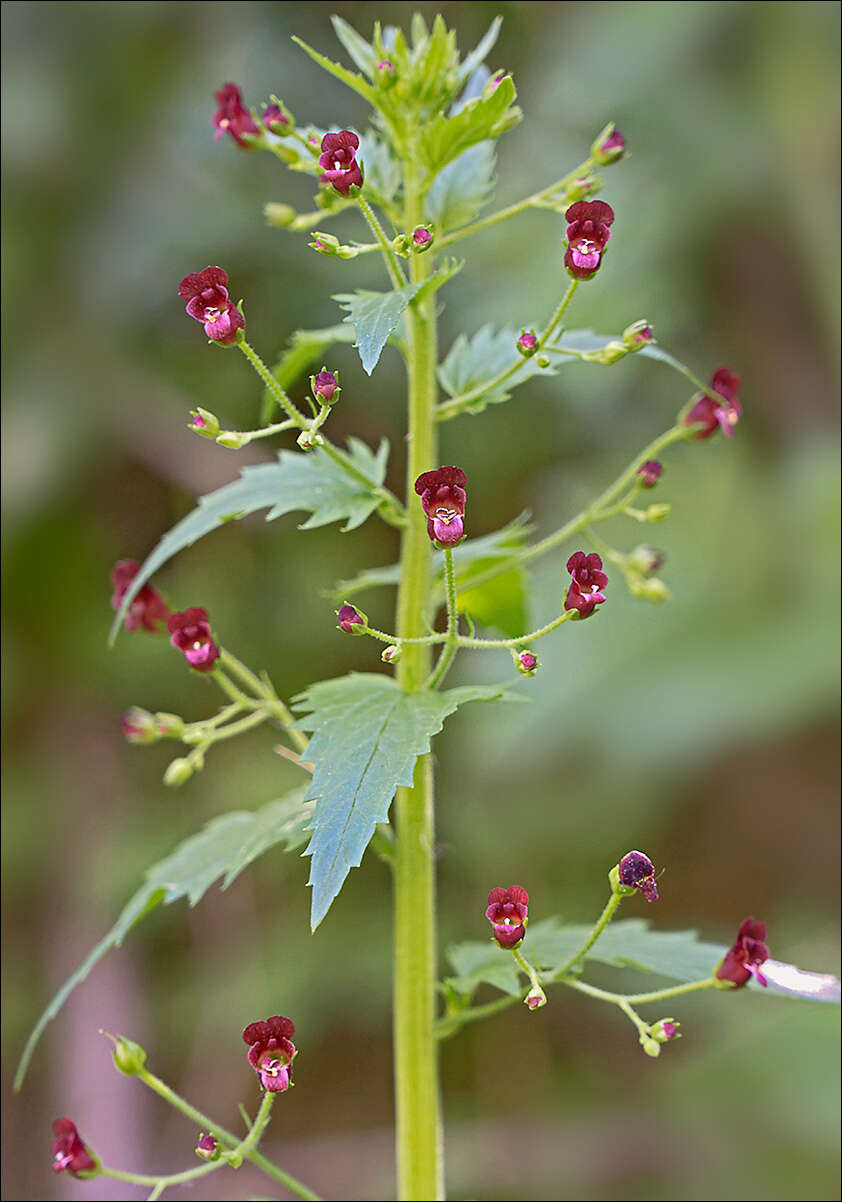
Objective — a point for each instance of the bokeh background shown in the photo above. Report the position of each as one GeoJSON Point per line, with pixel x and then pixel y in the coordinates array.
{"type": "Point", "coordinates": [704, 732]}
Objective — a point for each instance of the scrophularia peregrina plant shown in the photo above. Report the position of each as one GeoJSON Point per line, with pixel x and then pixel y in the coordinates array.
{"type": "Point", "coordinates": [407, 189]}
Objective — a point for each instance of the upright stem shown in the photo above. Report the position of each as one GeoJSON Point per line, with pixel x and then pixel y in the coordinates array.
{"type": "Point", "coordinates": [419, 1143]}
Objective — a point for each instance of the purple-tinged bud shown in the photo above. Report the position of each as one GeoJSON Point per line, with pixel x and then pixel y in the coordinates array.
{"type": "Point", "coordinates": [582, 188]}
{"type": "Point", "coordinates": [720, 411]}
{"type": "Point", "coordinates": [386, 68]}
{"type": "Point", "coordinates": [325, 386]}
{"type": "Point", "coordinates": [536, 998]}
{"type": "Point", "coordinates": [527, 344]}
{"type": "Point", "coordinates": [351, 619]}
{"type": "Point", "coordinates": [204, 422]}
{"type": "Point", "coordinates": [271, 1051]}
{"type": "Point", "coordinates": [342, 170]}
{"type": "Point", "coordinates": [493, 84]}
{"type": "Point", "coordinates": [208, 1147]}
{"type": "Point", "coordinates": [746, 958]}
{"type": "Point", "coordinates": [139, 726]}
{"type": "Point", "coordinates": [391, 654]}
{"type": "Point", "coordinates": [325, 244]}
{"type": "Point", "coordinates": [527, 663]}
{"type": "Point", "coordinates": [422, 238]}
{"type": "Point", "coordinates": [637, 335]}
{"type": "Point", "coordinates": [279, 215]}
{"type": "Point", "coordinates": [70, 1153]}
{"type": "Point", "coordinates": [649, 473]}
{"type": "Point", "coordinates": [276, 119]}
{"type": "Point", "coordinates": [169, 726]}
{"type": "Point", "coordinates": [588, 232]}
{"type": "Point", "coordinates": [587, 589]}
{"type": "Point", "coordinates": [507, 912]}
{"type": "Point", "coordinates": [646, 560]}
{"type": "Point", "coordinates": [178, 772]}
{"type": "Point", "coordinates": [443, 497]}
{"type": "Point", "coordinates": [609, 146]}
{"type": "Point", "coordinates": [636, 871]}
{"type": "Point", "coordinates": [664, 1030]}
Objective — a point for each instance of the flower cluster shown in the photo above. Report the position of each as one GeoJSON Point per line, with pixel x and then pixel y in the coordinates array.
{"type": "Point", "coordinates": [588, 231]}
{"type": "Point", "coordinates": [443, 496]}
{"type": "Point", "coordinates": [586, 590]}
{"type": "Point", "coordinates": [507, 912]}
{"type": "Point", "coordinates": [271, 1051]}
{"type": "Point", "coordinates": [748, 955]}
{"type": "Point", "coordinates": [68, 1150]}
{"type": "Point", "coordinates": [148, 610]}
{"type": "Point", "coordinates": [338, 158]}
{"type": "Point", "coordinates": [636, 871]}
{"type": "Point", "coordinates": [206, 293]}
{"type": "Point", "coordinates": [190, 633]}
{"type": "Point", "coordinates": [232, 117]}
{"type": "Point", "coordinates": [721, 411]}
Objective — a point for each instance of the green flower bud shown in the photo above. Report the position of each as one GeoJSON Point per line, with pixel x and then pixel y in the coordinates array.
{"type": "Point", "coordinates": [169, 726]}
{"type": "Point", "coordinates": [391, 654]}
{"type": "Point", "coordinates": [279, 215]}
{"type": "Point", "coordinates": [129, 1057]}
{"type": "Point", "coordinates": [657, 513]}
{"type": "Point", "coordinates": [650, 1046]}
{"type": "Point", "coordinates": [637, 336]}
{"type": "Point", "coordinates": [204, 422]}
{"type": "Point", "coordinates": [178, 772]}
{"type": "Point", "coordinates": [235, 440]}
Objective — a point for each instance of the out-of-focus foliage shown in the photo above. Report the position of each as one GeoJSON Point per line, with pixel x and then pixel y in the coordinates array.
{"type": "Point", "coordinates": [702, 731]}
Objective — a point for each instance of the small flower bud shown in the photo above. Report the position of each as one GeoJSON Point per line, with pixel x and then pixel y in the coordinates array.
{"type": "Point", "coordinates": [650, 1046]}
{"type": "Point", "coordinates": [386, 68]}
{"type": "Point", "coordinates": [657, 513]}
{"type": "Point", "coordinates": [527, 344]}
{"type": "Point", "coordinates": [178, 772]}
{"type": "Point", "coordinates": [664, 1030]}
{"type": "Point", "coordinates": [609, 146]}
{"type": "Point", "coordinates": [391, 654]}
{"type": "Point", "coordinates": [527, 663]}
{"type": "Point", "coordinates": [649, 473]}
{"type": "Point", "coordinates": [645, 559]}
{"type": "Point", "coordinates": [169, 726]}
{"type": "Point", "coordinates": [279, 215]}
{"type": "Point", "coordinates": [129, 1057]}
{"type": "Point", "coordinates": [325, 386]}
{"type": "Point", "coordinates": [204, 422]}
{"type": "Point", "coordinates": [536, 998]}
{"type": "Point", "coordinates": [542, 361]}
{"type": "Point", "coordinates": [208, 1147]}
{"type": "Point", "coordinates": [308, 439]}
{"type": "Point", "coordinates": [582, 188]}
{"type": "Point", "coordinates": [325, 244]}
{"type": "Point", "coordinates": [649, 589]}
{"type": "Point", "coordinates": [612, 352]}
{"type": "Point", "coordinates": [637, 335]}
{"type": "Point", "coordinates": [402, 245]}
{"type": "Point", "coordinates": [139, 726]}
{"type": "Point", "coordinates": [422, 239]}
{"type": "Point", "coordinates": [636, 871]}
{"type": "Point", "coordinates": [277, 118]}
{"type": "Point", "coordinates": [234, 440]}
{"type": "Point", "coordinates": [351, 619]}
{"type": "Point", "coordinates": [493, 84]}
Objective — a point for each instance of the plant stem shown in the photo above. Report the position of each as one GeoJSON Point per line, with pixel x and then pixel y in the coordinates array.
{"type": "Point", "coordinates": [597, 929]}
{"type": "Point", "coordinates": [296, 416]}
{"type": "Point", "coordinates": [392, 265]}
{"type": "Point", "coordinates": [641, 999]}
{"type": "Point", "coordinates": [419, 1145]}
{"type": "Point", "coordinates": [451, 644]}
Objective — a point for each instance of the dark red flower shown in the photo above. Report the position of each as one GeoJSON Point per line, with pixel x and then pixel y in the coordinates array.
{"type": "Point", "coordinates": [527, 344]}
{"type": "Point", "coordinates": [339, 161]}
{"type": "Point", "coordinates": [721, 411]}
{"type": "Point", "coordinates": [349, 617]}
{"type": "Point", "coordinates": [507, 911]}
{"type": "Point", "coordinates": [148, 609]}
{"type": "Point", "coordinates": [232, 117]}
{"type": "Point", "coordinates": [208, 1147]}
{"type": "Point", "coordinates": [638, 872]}
{"type": "Point", "coordinates": [443, 497]}
{"type": "Point", "coordinates": [748, 955]}
{"type": "Point", "coordinates": [588, 231]}
{"type": "Point", "coordinates": [68, 1150]}
{"type": "Point", "coordinates": [190, 633]}
{"type": "Point", "coordinates": [649, 473]}
{"type": "Point", "coordinates": [324, 385]}
{"type": "Point", "coordinates": [271, 1051]}
{"type": "Point", "coordinates": [421, 236]}
{"type": "Point", "coordinates": [273, 116]}
{"type": "Point", "coordinates": [587, 588]}
{"type": "Point", "coordinates": [208, 301]}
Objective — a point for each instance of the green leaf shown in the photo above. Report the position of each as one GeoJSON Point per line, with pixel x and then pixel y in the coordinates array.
{"type": "Point", "coordinates": [588, 340]}
{"type": "Point", "coordinates": [304, 349]}
{"type": "Point", "coordinates": [445, 138]}
{"type": "Point", "coordinates": [374, 315]}
{"type": "Point", "coordinates": [355, 82]}
{"type": "Point", "coordinates": [227, 845]}
{"type": "Point", "coordinates": [499, 604]}
{"type": "Point", "coordinates": [479, 54]}
{"type": "Point", "coordinates": [475, 963]}
{"type": "Point", "coordinates": [627, 943]}
{"type": "Point", "coordinates": [472, 361]}
{"type": "Point", "coordinates": [366, 736]}
{"type": "Point", "coordinates": [500, 544]}
{"type": "Point", "coordinates": [297, 481]}
{"type": "Point", "coordinates": [361, 51]}
{"type": "Point", "coordinates": [462, 188]}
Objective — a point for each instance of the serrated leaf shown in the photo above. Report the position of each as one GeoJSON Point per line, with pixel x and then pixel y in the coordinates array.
{"type": "Point", "coordinates": [462, 188]}
{"type": "Point", "coordinates": [361, 51]}
{"type": "Point", "coordinates": [304, 349]}
{"type": "Point", "coordinates": [224, 848]}
{"type": "Point", "coordinates": [382, 169]}
{"type": "Point", "coordinates": [481, 51]}
{"type": "Point", "coordinates": [444, 138]}
{"type": "Point", "coordinates": [471, 362]}
{"type": "Point", "coordinates": [311, 481]}
{"type": "Point", "coordinates": [355, 82]}
{"type": "Point", "coordinates": [374, 315]}
{"type": "Point", "coordinates": [628, 943]}
{"type": "Point", "coordinates": [367, 734]}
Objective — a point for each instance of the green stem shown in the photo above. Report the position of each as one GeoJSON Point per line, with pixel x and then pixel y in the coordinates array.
{"type": "Point", "coordinates": [225, 1137]}
{"type": "Point", "coordinates": [627, 478]}
{"type": "Point", "coordinates": [599, 926]}
{"type": "Point", "coordinates": [418, 1135]}
{"type": "Point", "coordinates": [466, 641]}
{"type": "Point", "coordinates": [451, 1023]}
{"type": "Point", "coordinates": [392, 511]}
{"type": "Point", "coordinates": [535, 990]}
{"type": "Point", "coordinates": [458, 404]}
{"type": "Point", "coordinates": [451, 645]}
{"type": "Point", "coordinates": [392, 266]}
{"type": "Point", "coordinates": [296, 416]}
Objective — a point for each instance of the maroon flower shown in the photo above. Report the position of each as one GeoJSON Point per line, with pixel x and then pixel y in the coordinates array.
{"type": "Point", "coordinates": [208, 1147]}
{"type": "Point", "coordinates": [349, 617]}
{"type": "Point", "coordinates": [422, 237]}
{"type": "Point", "coordinates": [527, 663]}
{"type": "Point", "coordinates": [507, 911]}
{"type": "Point", "coordinates": [232, 117]}
{"type": "Point", "coordinates": [68, 1150]}
{"type": "Point", "coordinates": [190, 633]}
{"type": "Point", "coordinates": [649, 473]}
{"type": "Point", "coordinates": [587, 588]}
{"type": "Point", "coordinates": [148, 609]}
{"type": "Point", "coordinates": [271, 1051]}
{"type": "Point", "coordinates": [722, 411]}
{"type": "Point", "coordinates": [324, 385]}
{"type": "Point", "coordinates": [273, 116]}
{"type": "Point", "coordinates": [208, 301]}
{"type": "Point", "coordinates": [337, 157]}
{"type": "Point", "coordinates": [527, 344]}
{"type": "Point", "coordinates": [443, 496]}
{"type": "Point", "coordinates": [588, 231]}
{"type": "Point", "coordinates": [638, 872]}
{"type": "Point", "coordinates": [748, 955]}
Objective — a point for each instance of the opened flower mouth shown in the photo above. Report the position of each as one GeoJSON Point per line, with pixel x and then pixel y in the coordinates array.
{"type": "Point", "coordinates": [443, 498]}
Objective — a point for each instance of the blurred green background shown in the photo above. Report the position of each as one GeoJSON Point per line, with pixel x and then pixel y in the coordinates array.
{"type": "Point", "coordinates": [703, 732]}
